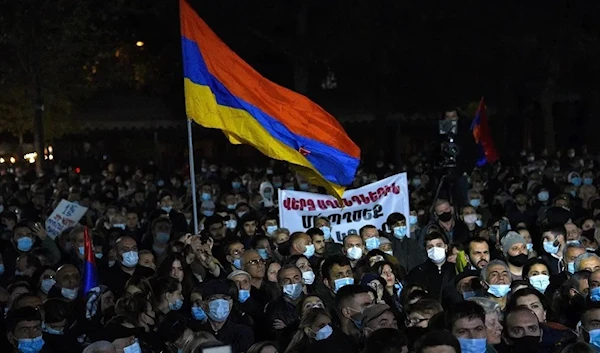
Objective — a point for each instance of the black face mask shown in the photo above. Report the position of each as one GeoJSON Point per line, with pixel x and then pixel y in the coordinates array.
{"type": "Point", "coordinates": [445, 217]}
{"type": "Point", "coordinates": [525, 344]}
{"type": "Point", "coordinates": [518, 260]}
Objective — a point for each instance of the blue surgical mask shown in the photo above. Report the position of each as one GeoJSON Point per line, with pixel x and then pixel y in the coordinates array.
{"type": "Point", "coordinates": [529, 246]}
{"type": "Point", "coordinates": [177, 305]}
{"type": "Point", "coordinates": [479, 222]}
{"type": "Point", "coordinates": [326, 232]}
{"type": "Point", "coordinates": [595, 294]}
{"type": "Point", "coordinates": [324, 333]}
{"type": "Point", "coordinates": [24, 244]}
{"type": "Point", "coordinates": [121, 226]}
{"type": "Point", "coordinates": [111, 263]}
{"type": "Point", "coordinates": [208, 213]}
{"type": "Point", "coordinates": [372, 243]}
{"type": "Point", "coordinates": [271, 230]}
{"type": "Point", "coordinates": [576, 181]}
{"type": "Point", "coordinates": [47, 284]}
{"type": "Point", "coordinates": [540, 282]}
{"type": "Point", "coordinates": [263, 253]}
{"type": "Point", "coordinates": [267, 194]}
{"type": "Point", "coordinates": [206, 196]}
{"type": "Point", "coordinates": [472, 345]}
{"type": "Point", "coordinates": [588, 181]}
{"type": "Point", "coordinates": [573, 193]}
{"type": "Point", "coordinates": [167, 209]}
{"type": "Point", "coordinates": [574, 242]}
{"type": "Point", "coordinates": [243, 295]}
{"type": "Point", "coordinates": [595, 338]}
{"type": "Point", "coordinates": [543, 196]}
{"type": "Point", "coordinates": [236, 184]}
{"type": "Point", "coordinates": [69, 293]}
{"type": "Point", "coordinates": [237, 263]}
{"type": "Point", "coordinates": [571, 267]}
{"type": "Point", "coordinates": [1, 269]}
{"type": "Point", "coordinates": [130, 259]}
{"type": "Point", "coordinates": [550, 248]}
{"type": "Point", "coordinates": [310, 251]}
{"type": "Point", "coordinates": [81, 250]}
{"type": "Point", "coordinates": [198, 313]}
{"type": "Point", "coordinates": [231, 224]}
{"type": "Point", "coordinates": [133, 348]}
{"type": "Point", "coordinates": [51, 330]}
{"type": "Point", "coordinates": [218, 310]}
{"type": "Point", "coordinates": [400, 232]}
{"type": "Point", "coordinates": [469, 294]}
{"type": "Point", "coordinates": [293, 291]}
{"type": "Point", "coordinates": [30, 345]}
{"type": "Point", "coordinates": [475, 202]}
{"type": "Point", "coordinates": [99, 255]}
{"type": "Point", "coordinates": [341, 282]}
{"type": "Point", "coordinates": [277, 185]}
{"type": "Point", "coordinates": [413, 220]}
{"type": "Point", "coordinates": [241, 214]}
{"type": "Point", "coordinates": [499, 290]}
{"type": "Point", "coordinates": [232, 206]}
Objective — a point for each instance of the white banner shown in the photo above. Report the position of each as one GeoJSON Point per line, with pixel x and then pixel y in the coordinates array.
{"type": "Point", "coordinates": [370, 204]}
{"type": "Point", "coordinates": [64, 216]}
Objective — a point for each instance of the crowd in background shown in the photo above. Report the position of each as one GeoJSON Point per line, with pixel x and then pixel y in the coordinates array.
{"type": "Point", "coordinates": [505, 261]}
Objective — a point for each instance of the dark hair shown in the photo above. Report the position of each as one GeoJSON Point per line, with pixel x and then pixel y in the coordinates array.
{"type": "Point", "coordinates": [465, 309]}
{"type": "Point", "coordinates": [259, 237]}
{"type": "Point", "coordinates": [214, 219]}
{"type": "Point", "coordinates": [437, 338]}
{"type": "Point", "coordinates": [162, 286]}
{"type": "Point", "coordinates": [32, 261]}
{"type": "Point", "coordinates": [258, 346]}
{"type": "Point", "coordinates": [363, 228]}
{"type": "Point", "coordinates": [22, 224]}
{"type": "Point", "coordinates": [523, 292]}
{"type": "Point", "coordinates": [269, 217]}
{"type": "Point", "coordinates": [385, 340]}
{"type": "Point", "coordinates": [292, 260]}
{"type": "Point", "coordinates": [314, 231]}
{"type": "Point", "coordinates": [347, 293]}
{"type": "Point", "coordinates": [330, 262]}
{"type": "Point", "coordinates": [394, 218]}
{"type": "Point", "coordinates": [15, 316]}
{"type": "Point", "coordinates": [23, 296]}
{"type": "Point", "coordinates": [425, 305]}
{"type": "Point", "coordinates": [555, 228]}
{"type": "Point", "coordinates": [287, 267]}
{"type": "Point", "coordinates": [435, 235]}
{"type": "Point", "coordinates": [398, 272]}
{"type": "Point", "coordinates": [532, 262]}
{"type": "Point", "coordinates": [129, 309]}
{"type": "Point", "coordinates": [229, 243]}
{"type": "Point", "coordinates": [56, 310]}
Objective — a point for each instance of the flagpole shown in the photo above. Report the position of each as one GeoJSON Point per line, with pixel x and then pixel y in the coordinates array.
{"type": "Point", "coordinates": [192, 175]}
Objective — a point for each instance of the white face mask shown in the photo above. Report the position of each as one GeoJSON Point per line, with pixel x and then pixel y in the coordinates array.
{"type": "Point", "coordinates": [437, 255]}
{"type": "Point", "coordinates": [470, 218]}
{"type": "Point", "coordinates": [354, 253]}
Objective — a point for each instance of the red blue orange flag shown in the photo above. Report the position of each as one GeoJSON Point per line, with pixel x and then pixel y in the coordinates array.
{"type": "Point", "coordinates": [90, 273]}
{"type": "Point", "coordinates": [224, 92]}
{"type": "Point", "coordinates": [486, 151]}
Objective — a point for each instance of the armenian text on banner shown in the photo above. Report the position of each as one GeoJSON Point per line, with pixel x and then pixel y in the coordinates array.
{"type": "Point", "coordinates": [370, 204]}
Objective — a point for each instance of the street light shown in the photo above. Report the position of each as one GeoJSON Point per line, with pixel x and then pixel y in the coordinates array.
{"type": "Point", "coordinates": [12, 160]}
{"type": "Point", "coordinates": [139, 43]}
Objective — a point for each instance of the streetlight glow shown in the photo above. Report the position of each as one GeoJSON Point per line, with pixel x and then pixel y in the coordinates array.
{"type": "Point", "coordinates": [139, 43]}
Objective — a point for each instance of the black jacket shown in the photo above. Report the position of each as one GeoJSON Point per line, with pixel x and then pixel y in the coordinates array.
{"type": "Point", "coordinates": [408, 252]}
{"type": "Point", "coordinates": [240, 337]}
{"type": "Point", "coordinates": [115, 278]}
{"type": "Point", "coordinates": [432, 277]}
{"type": "Point", "coordinates": [286, 312]}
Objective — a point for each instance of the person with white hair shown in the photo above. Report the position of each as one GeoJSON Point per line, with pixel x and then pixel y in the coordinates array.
{"type": "Point", "coordinates": [495, 277]}
{"type": "Point", "coordinates": [100, 347]}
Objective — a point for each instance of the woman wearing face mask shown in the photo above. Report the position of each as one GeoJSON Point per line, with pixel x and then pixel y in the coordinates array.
{"type": "Point", "coordinates": [174, 333]}
{"type": "Point", "coordinates": [167, 295]}
{"type": "Point", "coordinates": [308, 275]}
{"type": "Point", "coordinates": [136, 318]}
{"type": "Point", "coordinates": [175, 266]}
{"type": "Point", "coordinates": [536, 272]}
{"type": "Point", "coordinates": [45, 281]}
{"type": "Point", "coordinates": [315, 325]}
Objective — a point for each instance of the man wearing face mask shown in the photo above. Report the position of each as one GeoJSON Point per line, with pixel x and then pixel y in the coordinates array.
{"type": "Point", "coordinates": [573, 295]}
{"type": "Point", "coordinates": [495, 278]}
{"type": "Point", "coordinates": [523, 333]}
{"type": "Point", "coordinates": [24, 330]}
{"type": "Point", "coordinates": [554, 241]}
{"type": "Point", "coordinates": [68, 280]}
{"type": "Point", "coordinates": [436, 273]}
{"type": "Point", "coordinates": [301, 244]}
{"type": "Point", "coordinates": [218, 305]}
{"type": "Point", "coordinates": [407, 250]}
{"type": "Point", "coordinates": [350, 304]}
{"type": "Point", "coordinates": [331, 246]}
{"type": "Point", "coordinates": [164, 207]}
{"type": "Point", "coordinates": [443, 217]}
{"type": "Point", "coordinates": [127, 265]}
{"type": "Point", "coordinates": [269, 224]}
{"type": "Point", "coordinates": [283, 310]}
{"type": "Point", "coordinates": [337, 273]}
{"type": "Point", "coordinates": [354, 248]}
{"type": "Point", "coordinates": [514, 248]}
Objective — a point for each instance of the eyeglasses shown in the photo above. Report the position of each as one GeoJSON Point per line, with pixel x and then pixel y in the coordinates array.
{"type": "Point", "coordinates": [414, 322]}
{"type": "Point", "coordinates": [257, 262]}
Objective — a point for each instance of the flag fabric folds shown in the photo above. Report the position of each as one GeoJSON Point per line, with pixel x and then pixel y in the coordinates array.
{"type": "Point", "coordinates": [486, 151]}
{"type": "Point", "coordinates": [223, 92]}
{"type": "Point", "coordinates": [90, 273]}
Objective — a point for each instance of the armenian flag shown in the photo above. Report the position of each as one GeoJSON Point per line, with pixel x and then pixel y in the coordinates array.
{"type": "Point", "coordinates": [90, 273]}
{"type": "Point", "coordinates": [224, 92]}
{"type": "Point", "coordinates": [486, 151]}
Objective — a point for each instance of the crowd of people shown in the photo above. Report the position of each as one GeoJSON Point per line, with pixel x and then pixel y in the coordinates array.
{"type": "Point", "coordinates": [508, 264]}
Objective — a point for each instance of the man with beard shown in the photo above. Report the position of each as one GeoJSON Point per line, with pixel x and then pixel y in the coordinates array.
{"type": "Point", "coordinates": [478, 253]}
{"type": "Point", "coordinates": [523, 333]}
